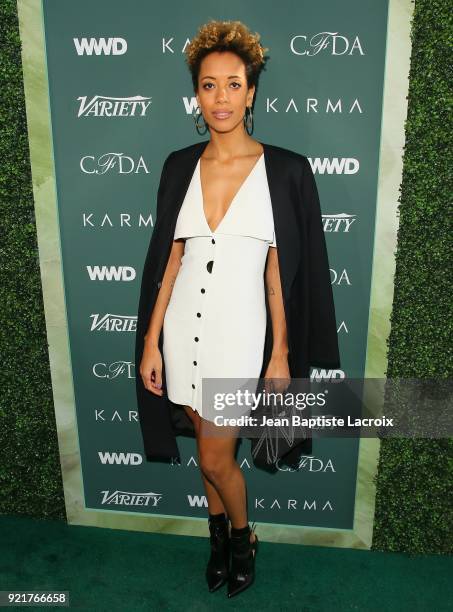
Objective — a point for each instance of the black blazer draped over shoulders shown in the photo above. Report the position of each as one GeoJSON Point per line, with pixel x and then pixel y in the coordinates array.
{"type": "Point", "coordinates": [305, 281]}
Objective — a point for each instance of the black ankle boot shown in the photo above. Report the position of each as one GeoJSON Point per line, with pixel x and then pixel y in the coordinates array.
{"type": "Point", "coordinates": [243, 553]}
{"type": "Point", "coordinates": [219, 561]}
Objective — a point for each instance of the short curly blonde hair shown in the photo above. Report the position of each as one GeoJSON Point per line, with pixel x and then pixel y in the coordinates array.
{"type": "Point", "coordinates": [231, 36]}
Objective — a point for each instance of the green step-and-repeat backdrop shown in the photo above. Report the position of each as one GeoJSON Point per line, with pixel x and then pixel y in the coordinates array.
{"type": "Point", "coordinates": [120, 99]}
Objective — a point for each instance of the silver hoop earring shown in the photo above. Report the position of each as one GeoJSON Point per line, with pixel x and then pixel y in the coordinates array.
{"type": "Point", "coordinates": [195, 117]}
{"type": "Point", "coordinates": [248, 120]}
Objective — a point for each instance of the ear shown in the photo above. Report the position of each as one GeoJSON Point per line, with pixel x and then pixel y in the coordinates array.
{"type": "Point", "coordinates": [250, 94]}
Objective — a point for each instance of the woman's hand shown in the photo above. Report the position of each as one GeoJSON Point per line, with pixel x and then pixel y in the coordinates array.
{"type": "Point", "coordinates": [151, 369]}
{"type": "Point", "coordinates": [277, 377]}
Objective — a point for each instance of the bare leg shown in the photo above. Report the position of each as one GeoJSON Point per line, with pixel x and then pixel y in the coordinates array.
{"type": "Point", "coordinates": [217, 460]}
{"type": "Point", "coordinates": [215, 503]}
{"type": "Point", "coordinates": [222, 477]}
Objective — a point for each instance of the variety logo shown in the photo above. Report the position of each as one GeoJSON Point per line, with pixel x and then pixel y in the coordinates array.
{"type": "Point", "coordinates": [122, 164]}
{"type": "Point", "coordinates": [108, 106]}
{"type": "Point", "coordinates": [120, 458]}
{"type": "Point", "coordinates": [100, 46]}
{"type": "Point", "coordinates": [125, 498]}
{"type": "Point", "coordinates": [109, 273]}
{"type": "Point", "coordinates": [113, 323]}
{"type": "Point", "coordinates": [124, 220]}
{"type": "Point", "coordinates": [114, 369]}
{"type": "Point", "coordinates": [340, 222]}
{"type": "Point", "coordinates": [331, 42]}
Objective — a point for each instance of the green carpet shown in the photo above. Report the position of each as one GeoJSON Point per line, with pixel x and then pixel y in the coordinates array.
{"type": "Point", "coordinates": [108, 569]}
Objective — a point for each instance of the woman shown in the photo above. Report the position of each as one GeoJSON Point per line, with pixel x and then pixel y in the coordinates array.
{"type": "Point", "coordinates": [214, 241]}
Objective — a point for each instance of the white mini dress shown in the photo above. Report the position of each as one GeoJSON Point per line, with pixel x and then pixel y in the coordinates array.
{"type": "Point", "coordinates": [215, 322]}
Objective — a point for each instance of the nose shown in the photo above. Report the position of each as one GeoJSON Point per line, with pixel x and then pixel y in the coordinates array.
{"type": "Point", "coordinates": [221, 94]}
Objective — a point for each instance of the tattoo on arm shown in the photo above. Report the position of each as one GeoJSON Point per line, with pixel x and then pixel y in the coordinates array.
{"type": "Point", "coordinates": [270, 291]}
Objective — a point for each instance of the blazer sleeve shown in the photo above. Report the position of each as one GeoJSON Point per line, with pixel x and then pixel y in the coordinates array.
{"type": "Point", "coordinates": [152, 245]}
{"type": "Point", "coordinates": [322, 329]}
{"type": "Point", "coordinates": [164, 177]}
{"type": "Point", "coordinates": [148, 271]}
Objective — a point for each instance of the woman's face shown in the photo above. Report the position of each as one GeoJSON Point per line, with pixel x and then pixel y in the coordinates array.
{"type": "Point", "coordinates": [222, 90]}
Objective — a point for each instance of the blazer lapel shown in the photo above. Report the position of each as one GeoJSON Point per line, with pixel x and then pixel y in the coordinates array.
{"type": "Point", "coordinates": [285, 220]}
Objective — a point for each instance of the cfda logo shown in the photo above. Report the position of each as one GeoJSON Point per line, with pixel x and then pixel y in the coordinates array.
{"type": "Point", "coordinates": [330, 42]}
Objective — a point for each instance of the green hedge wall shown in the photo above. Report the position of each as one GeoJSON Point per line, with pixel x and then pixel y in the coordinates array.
{"type": "Point", "coordinates": [414, 499]}
{"type": "Point", "coordinates": [413, 503]}
{"type": "Point", "coordinates": [30, 476]}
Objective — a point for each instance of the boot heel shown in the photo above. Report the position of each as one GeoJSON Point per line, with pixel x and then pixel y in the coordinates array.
{"type": "Point", "coordinates": [219, 560]}
{"type": "Point", "coordinates": [243, 554]}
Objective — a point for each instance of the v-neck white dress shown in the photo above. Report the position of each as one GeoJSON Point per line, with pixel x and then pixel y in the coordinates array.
{"type": "Point", "coordinates": [215, 322]}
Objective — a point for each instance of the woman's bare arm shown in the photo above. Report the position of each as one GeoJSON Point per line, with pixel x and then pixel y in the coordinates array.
{"type": "Point", "coordinates": [164, 295]}
{"type": "Point", "coordinates": [151, 362]}
{"type": "Point", "coordinates": [275, 298]}
{"type": "Point", "coordinates": [277, 375]}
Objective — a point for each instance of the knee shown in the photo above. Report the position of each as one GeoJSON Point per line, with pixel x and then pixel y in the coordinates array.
{"type": "Point", "coordinates": [214, 468]}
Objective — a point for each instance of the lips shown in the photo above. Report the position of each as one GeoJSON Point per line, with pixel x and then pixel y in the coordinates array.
{"type": "Point", "coordinates": [222, 114]}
